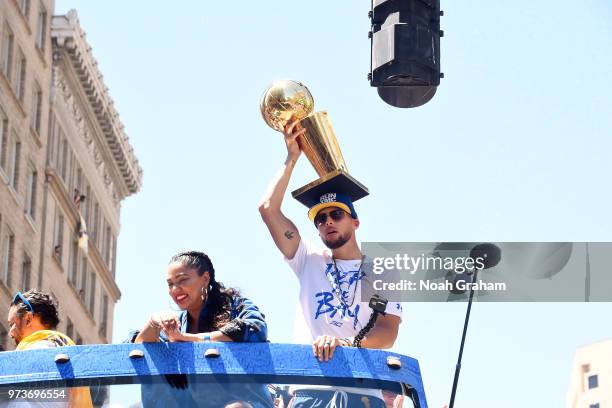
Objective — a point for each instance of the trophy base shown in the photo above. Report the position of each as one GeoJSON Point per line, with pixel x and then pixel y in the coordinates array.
{"type": "Point", "coordinates": [334, 181]}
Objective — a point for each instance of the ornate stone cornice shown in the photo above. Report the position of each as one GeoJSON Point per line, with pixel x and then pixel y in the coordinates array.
{"type": "Point", "coordinates": [68, 37]}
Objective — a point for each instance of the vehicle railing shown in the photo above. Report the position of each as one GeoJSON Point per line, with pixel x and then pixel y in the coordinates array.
{"type": "Point", "coordinates": [109, 364]}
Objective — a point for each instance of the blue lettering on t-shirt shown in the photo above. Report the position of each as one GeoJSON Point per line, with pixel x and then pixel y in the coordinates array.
{"type": "Point", "coordinates": [345, 284]}
{"type": "Point", "coordinates": [324, 304]}
{"type": "Point", "coordinates": [341, 311]}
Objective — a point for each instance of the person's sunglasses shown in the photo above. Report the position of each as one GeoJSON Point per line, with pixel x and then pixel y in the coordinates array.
{"type": "Point", "coordinates": [335, 215]}
{"type": "Point", "coordinates": [19, 296]}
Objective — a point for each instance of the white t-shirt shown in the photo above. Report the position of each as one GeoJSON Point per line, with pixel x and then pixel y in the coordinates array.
{"type": "Point", "coordinates": [320, 311]}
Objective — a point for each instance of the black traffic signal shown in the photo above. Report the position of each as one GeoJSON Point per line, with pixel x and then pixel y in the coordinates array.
{"type": "Point", "coordinates": [405, 38]}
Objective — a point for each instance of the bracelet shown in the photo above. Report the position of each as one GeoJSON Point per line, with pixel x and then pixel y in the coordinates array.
{"type": "Point", "coordinates": [154, 325]}
{"type": "Point", "coordinates": [348, 341]}
{"type": "Point", "coordinates": [205, 337]}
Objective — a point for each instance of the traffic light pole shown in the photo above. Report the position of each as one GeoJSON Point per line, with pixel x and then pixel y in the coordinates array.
{"type": "Point", "coordinates": [465, 326]}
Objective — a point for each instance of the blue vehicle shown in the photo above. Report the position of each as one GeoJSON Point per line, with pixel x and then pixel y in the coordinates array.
{"type": "Point", "coordinates": [231, 375]}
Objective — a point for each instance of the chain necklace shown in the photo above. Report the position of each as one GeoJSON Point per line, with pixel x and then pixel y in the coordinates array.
{"type": "Point", "coordinates": [336, 283]}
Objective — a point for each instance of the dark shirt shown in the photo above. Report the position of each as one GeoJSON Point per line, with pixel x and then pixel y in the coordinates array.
{"type": "Point", "coordinates": [246, 323]}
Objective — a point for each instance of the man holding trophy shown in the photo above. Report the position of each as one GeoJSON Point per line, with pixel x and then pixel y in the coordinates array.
{"type": "Point", "coordinates": [332, 312]}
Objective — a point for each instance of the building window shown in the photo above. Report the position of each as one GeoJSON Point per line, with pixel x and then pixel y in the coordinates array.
{"type": "Point", "coordinates": [41, 27]}
{"type": "Point", "coordinates": [92, 292]}
{"type": "Point", "coordinates": [8, 250]}
{"type": "Point", "coordinates": [102, 237]}
{"type": "Point", "coordinates": [107, 246]}
{"type": "Point", "coordinates": [70, 163]}
{"type": "Point", "coordinates": [35, 114]}
{"type": "Point", "coordinates": [93, 228]}
{"type": "Point", "coordinates": [4, 140]}
{"type": "Point", "coordinates": [113, 260]}
{"type": "Point", "coordinates": [51, 150]}
{"type": "Point", "coordinates": [26, 271]}
{"type": "Point", "coordinates": [58, 235]}
{"type": "Point", "coordinates": [8, 42]}
{"type": "Point", "coordinates": [104, 317]}
{"type": "Point", "coordinates": [78, 187]}
{"type": "Point", "coordinates": [14, 163]}
{"type": "Point", "coordinates": [83, 286]}
{"type": "Point", "coordinates": [57, 144]}
{"type": "Point", "coordinates": [593, 381]}
{"type": "Point", "coordinates": [24, 7]}
{"type": "Point", "coordinates": [20, 77]}
{"type": "Point", "coordinates": [31, 194]}
{"type": "Point", "coordinates": [86, 206]}
{"type": "Point", "coordinates": [63, 163]}
{"type": "Point", "coordinates": [74, 262]}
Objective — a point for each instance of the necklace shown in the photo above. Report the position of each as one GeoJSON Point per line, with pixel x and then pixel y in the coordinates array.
{"type": "Point", "coordinates": [335, 285]}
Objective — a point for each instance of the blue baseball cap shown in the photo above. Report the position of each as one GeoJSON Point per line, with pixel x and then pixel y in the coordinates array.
{"type": "Point", "coordinates": [331, 200]}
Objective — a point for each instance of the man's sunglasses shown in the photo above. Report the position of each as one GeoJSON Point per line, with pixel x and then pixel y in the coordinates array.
{"type": "Point", "coordinates": [335, 215]}
{"type": "Point", "coordinates": [19, 296]}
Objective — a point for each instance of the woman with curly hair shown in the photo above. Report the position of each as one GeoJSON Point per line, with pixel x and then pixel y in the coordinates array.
{"type": "Point", "coordinates": [210, 312]}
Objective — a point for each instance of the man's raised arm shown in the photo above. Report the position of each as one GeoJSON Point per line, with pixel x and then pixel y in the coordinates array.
{"type": "Point", "coordinates": [283, 231]}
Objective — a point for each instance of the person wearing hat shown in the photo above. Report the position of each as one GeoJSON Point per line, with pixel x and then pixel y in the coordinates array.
{"type": "Point", "coordinates": [330, 312]}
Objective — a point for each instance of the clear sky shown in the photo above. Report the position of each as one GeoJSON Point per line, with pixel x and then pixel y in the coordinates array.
{"type": "Point", "coordinates": [515, 146]}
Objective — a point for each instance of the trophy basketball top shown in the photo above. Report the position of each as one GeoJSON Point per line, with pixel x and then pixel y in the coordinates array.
{"type": "Point", "coordinates": [284, 101]}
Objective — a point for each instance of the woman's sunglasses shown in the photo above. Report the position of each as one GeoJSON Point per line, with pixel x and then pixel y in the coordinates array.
{"type": "Point", "coordinates": [19, 296]}
{"type": "Point", "coordinates": [335, 215]}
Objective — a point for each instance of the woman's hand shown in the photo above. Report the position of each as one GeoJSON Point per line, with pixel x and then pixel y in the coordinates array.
{"type": "Point", "coordinates": [173, 330]}
{"type": "Point", "coordinates": [150, 332]}
{"type": "Point", "coordinates": [158, 320]}
{"type": "Point", "coordinates": [168, 322]}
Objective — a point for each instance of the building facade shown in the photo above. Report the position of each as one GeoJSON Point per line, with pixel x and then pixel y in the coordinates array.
{"type": "Point", "coordinates": [591, 378]}
{"type": "Point", "coordinates": [65, 166]}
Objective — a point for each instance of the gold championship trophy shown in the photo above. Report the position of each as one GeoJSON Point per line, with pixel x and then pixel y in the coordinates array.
{"type": "Point", "coordinates": [286, 101]}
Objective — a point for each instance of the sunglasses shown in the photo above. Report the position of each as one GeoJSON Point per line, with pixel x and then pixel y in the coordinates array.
{"type": "Point", "coordinates": [19, 296]}
{"type": "Point", "coordinates": [335, 215]}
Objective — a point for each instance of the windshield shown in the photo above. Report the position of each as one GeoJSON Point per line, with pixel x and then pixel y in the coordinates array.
{"type": "Point", "coordinates": [198, 391]}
